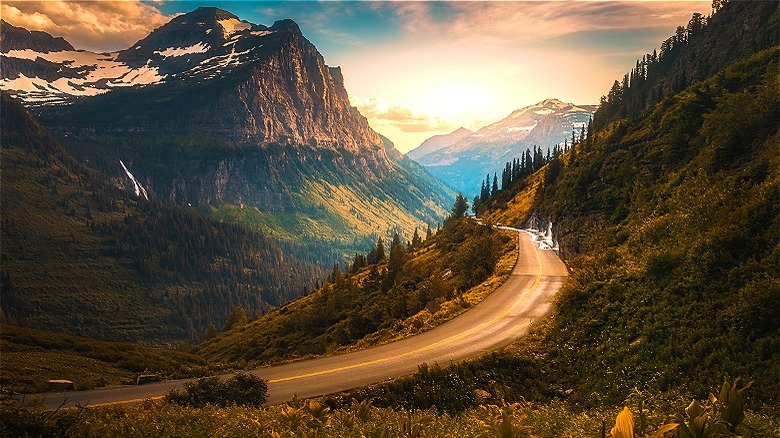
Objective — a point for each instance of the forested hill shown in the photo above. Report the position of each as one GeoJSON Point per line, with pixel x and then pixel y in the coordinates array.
{"type": "Point", "coordinates": [670, 220]}
{"type": "Point", "coordinates": [393, 291]}
{"type": "Point", "coordinates": [83, 257]}
{"type": "Point", "coordinates": [694, 53]}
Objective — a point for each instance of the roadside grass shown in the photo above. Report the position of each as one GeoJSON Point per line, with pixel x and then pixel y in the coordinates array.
{"type": "Point", "coordinates": [358, 419]}
{"type": "Point", "coordinates": [426, 319]}
{"type": "Point", "coordinates": [32, 357]}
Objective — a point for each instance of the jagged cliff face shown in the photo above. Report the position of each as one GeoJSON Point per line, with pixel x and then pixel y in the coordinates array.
{"type": "Point", "coordinates": [217, 113]}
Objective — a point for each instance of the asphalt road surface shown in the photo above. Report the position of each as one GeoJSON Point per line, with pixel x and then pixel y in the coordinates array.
{"type": "Point", "coordinates": [498, 320]}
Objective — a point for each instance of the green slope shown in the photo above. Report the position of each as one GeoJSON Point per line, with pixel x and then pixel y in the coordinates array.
{"type": "Point", "coordinates": [82, 257]}
{"type": "Point", "coordinates": [672, 226]}
{"type": "Point", "coordinates": [412, 289]}
{"type": "Point", "coordinates": [31, 357]}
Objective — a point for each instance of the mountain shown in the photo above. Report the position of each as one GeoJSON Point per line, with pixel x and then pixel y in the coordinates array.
{"type": "Point", "coordinates": [437, 142]}
{"type": "Point", "coordinates": [241, 121]}
{"type": "Point", "coordinates": [669, 216]}
{"type": "Point", "coordinates": [17, 38]}
{"type": "Point", "coordinates": [462, 158]}
{"type": "Point", "coordinates": [83, 257]}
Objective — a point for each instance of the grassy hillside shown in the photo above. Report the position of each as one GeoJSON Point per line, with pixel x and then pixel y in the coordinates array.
{"type": "Point", "coordinates": [31, 357]}
{"type": "Point", "coordinates": [324, 418]}
{"type": "Point", "coordinates": [672, 225]}
{"type": "Point", "coordinates": [83, 257]}
{"type": "Point", "coordinates": [327, 198]}
{"type": "Point", "coordinates": [378, 299]}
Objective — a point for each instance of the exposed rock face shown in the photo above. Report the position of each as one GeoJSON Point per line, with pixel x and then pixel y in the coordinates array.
{"type": "Point", "coordinates": [215, 75]}
{"type": "Point", "coordinates": [17, 38]}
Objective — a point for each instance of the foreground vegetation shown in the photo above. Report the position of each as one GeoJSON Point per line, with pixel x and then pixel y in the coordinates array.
{"type": "Point", "coordinates": [234, 414]}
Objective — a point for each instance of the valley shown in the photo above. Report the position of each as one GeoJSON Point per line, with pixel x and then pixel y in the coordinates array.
{"type": "Point", "coordinates": [501, 318]}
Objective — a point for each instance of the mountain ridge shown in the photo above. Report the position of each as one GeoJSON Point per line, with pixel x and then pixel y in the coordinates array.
{"type": "Point", "coordinates": [461, 160]}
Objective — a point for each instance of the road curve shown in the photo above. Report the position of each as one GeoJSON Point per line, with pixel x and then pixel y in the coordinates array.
{"type": "Point", "coordinates": [498, 320]}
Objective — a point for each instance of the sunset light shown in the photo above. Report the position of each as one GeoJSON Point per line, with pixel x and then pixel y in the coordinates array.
{"type": "Point", "coordinates": [375, 218]}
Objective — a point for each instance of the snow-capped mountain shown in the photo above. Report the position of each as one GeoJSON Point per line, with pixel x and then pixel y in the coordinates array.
{"type": "Point", "coordinates": [205, 44]}
{"type": "Point", "coordinates": [462, 158]}
{"type": "Point", "coordinates": [437, 142]}
{"type": "Point", "coordinates": [212, 111]}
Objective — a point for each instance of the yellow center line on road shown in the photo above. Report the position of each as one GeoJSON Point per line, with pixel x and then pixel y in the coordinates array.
{"type": "Point", "coordinates": [446, 341]}
{"type": "Point", "coordinates": [123, 402]}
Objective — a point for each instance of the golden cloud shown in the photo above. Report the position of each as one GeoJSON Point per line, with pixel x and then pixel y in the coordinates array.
{"type": "Point", "coordinates": [534, 20]}
{"type": "Point", "coordinates": [400, 116]}
{"type": "Point", "coordinates": [93, 25]}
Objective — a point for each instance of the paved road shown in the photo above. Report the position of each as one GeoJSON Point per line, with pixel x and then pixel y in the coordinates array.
{"type": "Point", "coordinates": [498, 320]}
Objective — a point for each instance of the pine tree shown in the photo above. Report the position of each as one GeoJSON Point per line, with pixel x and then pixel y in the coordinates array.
{"type": "Point", "coordinates": [377, 253]}
{"type": "Point", "coordinates": [495, 185]}
{"type": "Point", "coordinates": [416, 240]}
{"type": "Point", "coordinates": [210, 332]}
{"type": "Point", "coordinates": [460, 207]}
{"type": "Point", "coordinates": [236, 318]}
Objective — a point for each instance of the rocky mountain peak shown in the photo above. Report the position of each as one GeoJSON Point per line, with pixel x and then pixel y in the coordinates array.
{"type": "Point", "coordinates": [462, 158]}
{"type": "Point", "coordinates": [196, 32]}
{"type": "Point", "coordinates": [286, 25]}
{"type": "Point", "coordinates": [18, 38]}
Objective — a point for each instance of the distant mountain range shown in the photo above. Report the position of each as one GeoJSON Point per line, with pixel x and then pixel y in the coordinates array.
{"type": "Point", "coordinates": [463, 158]}
{"type": "Point", "coordinates": [240, 120]}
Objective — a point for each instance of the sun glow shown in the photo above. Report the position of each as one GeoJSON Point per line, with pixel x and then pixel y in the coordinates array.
{"type": "Point", "coordinates": [455, 100]}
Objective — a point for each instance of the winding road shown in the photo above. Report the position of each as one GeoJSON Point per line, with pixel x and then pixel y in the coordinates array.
{"type": "Point", "coordinates": [498, 320]}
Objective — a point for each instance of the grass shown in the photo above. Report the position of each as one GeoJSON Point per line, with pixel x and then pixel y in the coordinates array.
{"type": "Point", "coordinates": [426, 319]}
{"type": "Point", "coordinates": [356, 419]}
{"type": "Point", "coordinates": [32, 357]}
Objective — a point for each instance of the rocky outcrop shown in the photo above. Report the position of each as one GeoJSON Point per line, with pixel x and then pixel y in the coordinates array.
{"type": "Point", "coordinates": [232, 79]}
{"type": "Point", "coordinates": [17, 38]}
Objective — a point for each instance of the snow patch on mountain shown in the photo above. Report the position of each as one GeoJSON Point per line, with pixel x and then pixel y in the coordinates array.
{"type": "Point", "coordinates": [181, 51]}
{"type": "Point", "coordinates": [233, 25]}
{"type": "Point", "coordinates": [95, 73]}
{"type": "Point", "coordinates": [462, 161]}
{"type": "Point", "coordinates": [79, 73]}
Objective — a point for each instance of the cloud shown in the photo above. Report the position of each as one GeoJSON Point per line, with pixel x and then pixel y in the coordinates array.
{"type": "Point", "coordinates": [93, 25]}
{"type": "Point", "coordinates": [400, 116]}
{"type": "Point", "coordinates": [514, 23]}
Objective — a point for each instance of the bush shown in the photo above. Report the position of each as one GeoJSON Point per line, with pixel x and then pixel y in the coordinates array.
{"type": "Point", "coordinates": [241, 389]}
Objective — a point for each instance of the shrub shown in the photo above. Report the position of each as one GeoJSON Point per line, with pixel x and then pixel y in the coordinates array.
{"type": "Point", "coordinates": [241, 389]}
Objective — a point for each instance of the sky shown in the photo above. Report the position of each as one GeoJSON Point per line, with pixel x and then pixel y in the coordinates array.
{"type": "Point", "coordinates": [418, 69]}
